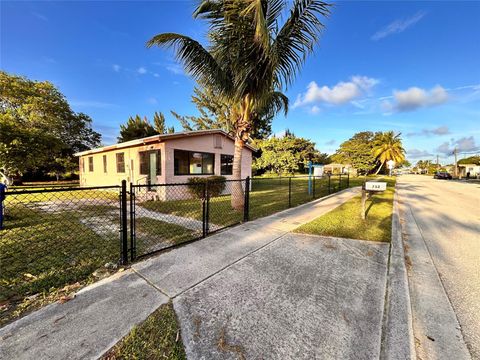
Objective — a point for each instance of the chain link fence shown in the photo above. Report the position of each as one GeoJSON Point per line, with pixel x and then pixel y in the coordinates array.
{"type": "Point", "coordinates": [54, 237]}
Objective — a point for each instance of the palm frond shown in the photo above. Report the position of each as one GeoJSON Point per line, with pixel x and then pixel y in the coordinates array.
{"type": "Point", "coordinates": [298, 36]}
{"type": "Point", "coordinates": [197, 61]}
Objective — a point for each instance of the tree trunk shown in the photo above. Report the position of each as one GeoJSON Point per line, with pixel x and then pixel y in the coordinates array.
{"type": "Point", "coordinates": [242, 123]}
{"type": "Point", "coordinates": [380, 168]}
{"type": "Point", "coordinates": [238, 197]}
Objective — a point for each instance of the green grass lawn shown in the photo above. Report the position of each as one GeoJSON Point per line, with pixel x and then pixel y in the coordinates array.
{"type": "Point", "coordinates": [152, 234]}
{"type": "Point", "coordinates": [267, 196]}
{"type": "Point", "coordinates": [157, 338]}
{"type": "Point", "coordinates": [56, 239]}
{"type": "Point", "coordinates": [41, 251]}
{"type": "Point", "coordinates": [345, 221]}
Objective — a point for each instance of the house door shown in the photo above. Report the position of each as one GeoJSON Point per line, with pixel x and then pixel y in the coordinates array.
{"type": "Point", "coordinates": [152, 167]}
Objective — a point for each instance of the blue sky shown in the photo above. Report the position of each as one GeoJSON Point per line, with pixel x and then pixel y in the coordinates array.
{"type": "Point", "coordinates": [411, 67]}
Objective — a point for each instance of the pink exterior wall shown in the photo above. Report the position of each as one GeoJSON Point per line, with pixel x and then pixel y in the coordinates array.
{"type": "Point", "coordinates": [201, 143]}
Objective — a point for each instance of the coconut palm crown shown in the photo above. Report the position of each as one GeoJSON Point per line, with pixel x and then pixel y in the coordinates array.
{"type": "Point", "coordinates": [252, 56]}
{"type": "Point", "coordinates": [388, 146]}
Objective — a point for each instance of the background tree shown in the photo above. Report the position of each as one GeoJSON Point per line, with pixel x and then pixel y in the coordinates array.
{"type": "Point", "coordinates": [388, 146]}
{"type": "Point", "coordinates": [251, 57]}
{"type": "Point", "coordinates": [39, 132]}
{"type": "Point", "coordinates": [470, 160]}
{"type": "Point", "coordinates": [357, 151]}
{"type": "Point", "coordinates": [159, 124]}
{"type": "Point", "coordinates": [215, 114]}
{"type": "Point", "coordinates": [138, 128]}
{"type": "Point", "coordinates": [286, 155]}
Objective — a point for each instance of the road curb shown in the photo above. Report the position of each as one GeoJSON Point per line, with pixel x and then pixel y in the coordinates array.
{"type": "Point", "coordinates": [397, 332]}
{"type": "Point", "coordinates": [436, 328]}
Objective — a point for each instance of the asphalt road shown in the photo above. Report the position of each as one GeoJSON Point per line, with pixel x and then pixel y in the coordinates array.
{"type": "Point", "coordinates": [448, 215]}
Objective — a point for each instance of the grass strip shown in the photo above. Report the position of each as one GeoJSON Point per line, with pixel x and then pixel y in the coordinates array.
{"type": "Point", "coordinates": [158, 337]}
{"type": "Point", "coordinates": [346, 221]}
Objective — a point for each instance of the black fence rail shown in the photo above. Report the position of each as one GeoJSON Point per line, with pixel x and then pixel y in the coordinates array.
{"type": "Point", "coordinates": [54, 237]}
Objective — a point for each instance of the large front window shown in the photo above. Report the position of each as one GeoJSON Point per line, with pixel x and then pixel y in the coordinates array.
{"type": "Point", "coordinates": [193, 163]}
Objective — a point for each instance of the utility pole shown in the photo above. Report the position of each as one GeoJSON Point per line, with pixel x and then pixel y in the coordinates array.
{"type": "Point", "coordinates": [456, 166]}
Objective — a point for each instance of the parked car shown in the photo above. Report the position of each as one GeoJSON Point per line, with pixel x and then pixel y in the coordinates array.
{"type": "Point", "coordinates": [442, 175]}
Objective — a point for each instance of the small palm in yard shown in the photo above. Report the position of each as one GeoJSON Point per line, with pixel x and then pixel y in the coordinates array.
{"type": "Point", "coordinates": [388, 146]}
{"type": "Point", "coordinates": [252, 56]}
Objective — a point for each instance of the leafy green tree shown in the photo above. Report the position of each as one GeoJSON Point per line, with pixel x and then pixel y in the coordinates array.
{"type": "Point", "coordinates": [38, 129]}
{"type": "Point", "coordinates": [215, 114]}
{"type": "Point", "coordinates": [159, 124]}
{"type": "Point", "coordinates": [251, 57]}
{"type": "Point", "coordinates": [357, 151]}
{"type": "Point", "coordinates": [470, 160]}
{"type": "Point", "coordinates": [388, 146]}
{"type": "Point", "coordinates": [138, 128]}
{"type": "Point", "coordinates": [286, 155]}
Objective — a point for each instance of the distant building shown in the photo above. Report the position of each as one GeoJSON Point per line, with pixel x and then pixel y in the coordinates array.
{"type": "Point", "coordinates": [473, 169]}
{"type": "Point", "coordinates": [339, 169]}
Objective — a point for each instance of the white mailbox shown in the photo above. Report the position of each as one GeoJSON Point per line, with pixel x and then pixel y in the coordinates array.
{"type": "Point", "coordinates": [375, 186]}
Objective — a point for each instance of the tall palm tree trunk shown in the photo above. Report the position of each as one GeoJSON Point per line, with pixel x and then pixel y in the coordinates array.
{"type": "Point", "coordinates": [238, 197]}
{"type": "Point", "coordinates": [242, 133]}
{"type": "Point", "coordinates": [380, 168]}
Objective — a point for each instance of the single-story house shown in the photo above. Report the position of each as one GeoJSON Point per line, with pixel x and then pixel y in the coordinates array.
{"type": "Point", "coordinates": [473, 169]}
{"type": "Point", "coordinates": [163, 159]}
{"type": "Point", "coordinates": [339, 169]}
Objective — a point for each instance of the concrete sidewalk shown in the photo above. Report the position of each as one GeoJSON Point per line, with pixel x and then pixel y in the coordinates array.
{"type": "Point", "coordinates": [101, 314]}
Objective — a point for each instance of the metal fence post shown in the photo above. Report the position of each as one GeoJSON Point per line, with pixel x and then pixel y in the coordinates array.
{"type": "Point", "coordinates": [2, 198]}
{"type": "Point", "coordinates": [289, 192]}
{"type": "Point", "coordinates": [313, 190]}
{"type": "Point", "coordinates": [207, 209]}
{"type": "Point", "coordinates": [204, 210]}
{"type": "Point", "coordinates": [329, 188]}
{"type": "Point", "coordinates": [246, 203]}
{"type": "Point", "coordinates": [133, 240]}
{"type": "Point", "coordinates": [124, 230]}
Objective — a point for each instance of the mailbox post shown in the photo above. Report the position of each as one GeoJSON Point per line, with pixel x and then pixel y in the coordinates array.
{"type": "Point", "coordinates": [368, 189]}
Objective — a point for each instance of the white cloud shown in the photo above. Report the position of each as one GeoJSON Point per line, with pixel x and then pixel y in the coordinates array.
{"type": "Point", "coordinates": [40, 16]}
{"type": "Point", "coordinates": [314, 109]}
{"type": "Point", "coordinates": [463, 144]}
{"type": "Point", "coordinates": [466, 144]}
{"type": "Point", "coordinates": [415, 98]}
{"type": "Point", "coordinates": [156, 75]}
{"type": "Point", "coordinates": [141, 70]}
{"type": "Point", "coordinates": [175, 69]}
{"type": "Point", "coordinates": [116, 67]}
{"type": "Point", "coordinates": [152, 100]}
{"type": "Point", "coordinates": [417, 154]}
{"type": "Point", "coordinates": [439, 131]}
{"type": "Point", "coordinates": [398, 26]}
{"type": "Point", "coordinates": [341, 93]}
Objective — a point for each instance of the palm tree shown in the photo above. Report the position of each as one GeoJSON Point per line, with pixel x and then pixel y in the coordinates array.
{"type": "Point", "coordinates": [250, 59]}
{"type": "Point", "coordinates": [388, 146]}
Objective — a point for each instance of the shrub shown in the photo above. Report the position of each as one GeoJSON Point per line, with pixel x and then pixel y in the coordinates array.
{"type": "Point", "coordinates": [216, 185]}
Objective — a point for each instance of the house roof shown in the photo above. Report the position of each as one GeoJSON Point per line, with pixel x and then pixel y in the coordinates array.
{"type": "Point", "coordinates": [158, 139]}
